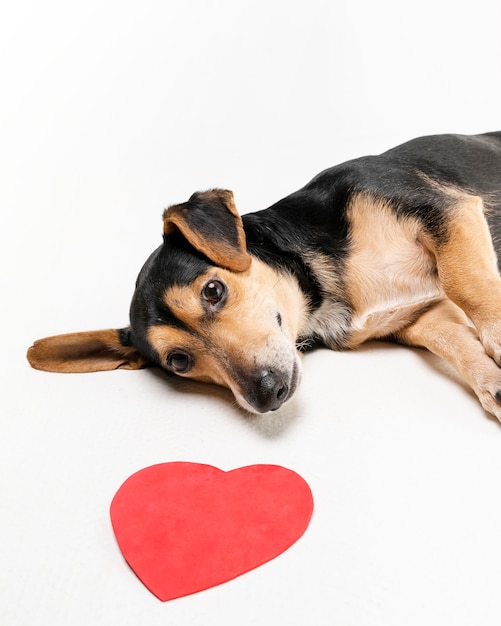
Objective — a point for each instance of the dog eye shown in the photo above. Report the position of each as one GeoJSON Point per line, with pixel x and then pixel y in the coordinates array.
{"type": "Point", "coordinates": [214, 291]}
{"type": "Point", "coordinates": [179, 361]}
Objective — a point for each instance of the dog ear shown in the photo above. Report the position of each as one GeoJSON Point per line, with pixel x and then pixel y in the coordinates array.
{"type": "Point", "coordinates": [93, 351]}
{"type": "Point", "coordinates": [209, 221]}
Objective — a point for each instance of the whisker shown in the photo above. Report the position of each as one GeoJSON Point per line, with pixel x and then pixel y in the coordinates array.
{"type": "Point", "coordinates": [304, 344]}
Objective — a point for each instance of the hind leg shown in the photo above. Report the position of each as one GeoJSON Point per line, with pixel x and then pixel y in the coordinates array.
{"type": "Point", "coordinates": [444, 330]}
{"type": "Point", "coordinates": [467, 268]}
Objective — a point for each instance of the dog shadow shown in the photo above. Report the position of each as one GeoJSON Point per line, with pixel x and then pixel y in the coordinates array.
{"type": "Point", "coordinates": [439, 366]}
{"type": "Point", "coordinates": [269, 425]}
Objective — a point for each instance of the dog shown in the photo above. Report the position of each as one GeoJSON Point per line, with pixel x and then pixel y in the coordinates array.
{"type": "Point", "coordinates": [401, 247]}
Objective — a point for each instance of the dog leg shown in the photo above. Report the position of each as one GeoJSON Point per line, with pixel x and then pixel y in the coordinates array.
{"type": "Point", "coordinates": [444, 330]}
{"type": "Point", "coordinates": [467, 268]}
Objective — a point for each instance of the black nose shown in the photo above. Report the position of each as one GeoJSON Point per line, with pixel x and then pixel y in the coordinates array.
{"type": "Point", "coordinates": [270, 391]}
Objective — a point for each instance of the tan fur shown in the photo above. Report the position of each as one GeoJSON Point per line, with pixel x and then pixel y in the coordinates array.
{"type": "Point", "coordinates": [92, 351]}
{"type": "Point", "coordinates": [475, 287]}
{"type": "Point", "coordinates": [474, 290]}
{"type": "Point", "coordinates": [390, 273]}
{"type": "Point", "coordinates": [244, 333]}
{"type": "Point", "coordinates": [166, 338]}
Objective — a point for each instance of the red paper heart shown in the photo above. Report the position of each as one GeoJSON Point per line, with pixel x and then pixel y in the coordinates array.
{"type": "Point", "coordinates": [184, 527]}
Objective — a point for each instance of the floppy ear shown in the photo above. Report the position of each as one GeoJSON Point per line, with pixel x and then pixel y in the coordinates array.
{"type": "Point", "coordinates": [209, 221]}
{"type": "Point", "coordinates": [93, 351]}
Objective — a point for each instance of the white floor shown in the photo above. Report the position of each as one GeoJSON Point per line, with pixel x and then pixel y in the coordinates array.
{"type": "Point", "coordinates": [111, 111]}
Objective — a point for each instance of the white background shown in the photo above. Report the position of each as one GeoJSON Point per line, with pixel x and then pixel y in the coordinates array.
{"type": "Point", "coordinates": [109, 111]}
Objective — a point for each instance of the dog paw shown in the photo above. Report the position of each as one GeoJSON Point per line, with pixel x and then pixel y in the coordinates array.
{"type": "Point", "coordinates": [490, 337]}
{"type": "Point", "coordinates": [484, 377]}
{"type": "Point", "coordinates": [491, 403]}
{"type": "Point", "coordinates": [488, 391]}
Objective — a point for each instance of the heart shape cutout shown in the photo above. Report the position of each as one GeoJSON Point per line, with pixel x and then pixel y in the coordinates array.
{"type": "Point", "coordinates": [184, 527]}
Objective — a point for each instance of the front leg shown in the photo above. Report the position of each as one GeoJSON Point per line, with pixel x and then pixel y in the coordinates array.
{"type": "Point", "coordinates": [445, 331]}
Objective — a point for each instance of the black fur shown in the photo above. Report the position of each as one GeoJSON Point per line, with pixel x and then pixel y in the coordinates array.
{"type": "Point", "coordinates": [173, 263]}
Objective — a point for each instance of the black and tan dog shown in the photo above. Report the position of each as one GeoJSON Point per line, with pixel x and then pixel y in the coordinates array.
{"type": "Point", "coordinates": [399, 246]}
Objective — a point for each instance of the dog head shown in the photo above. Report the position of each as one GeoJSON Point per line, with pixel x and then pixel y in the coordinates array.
{"type": "Point", "coordinates": [203, 308]}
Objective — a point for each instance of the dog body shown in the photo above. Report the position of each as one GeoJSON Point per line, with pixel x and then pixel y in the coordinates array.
{"type": "Point", "coordinates": [400, 246]}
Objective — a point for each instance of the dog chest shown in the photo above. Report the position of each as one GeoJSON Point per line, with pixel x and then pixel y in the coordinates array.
{"type": "Point", "coordinates": [390, 274]}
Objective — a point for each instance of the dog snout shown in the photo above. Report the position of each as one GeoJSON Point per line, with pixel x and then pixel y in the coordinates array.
{"type": "Point", "coordinates": [272, 390]}
{"type": "Point", "coordinates": [269, 388]}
